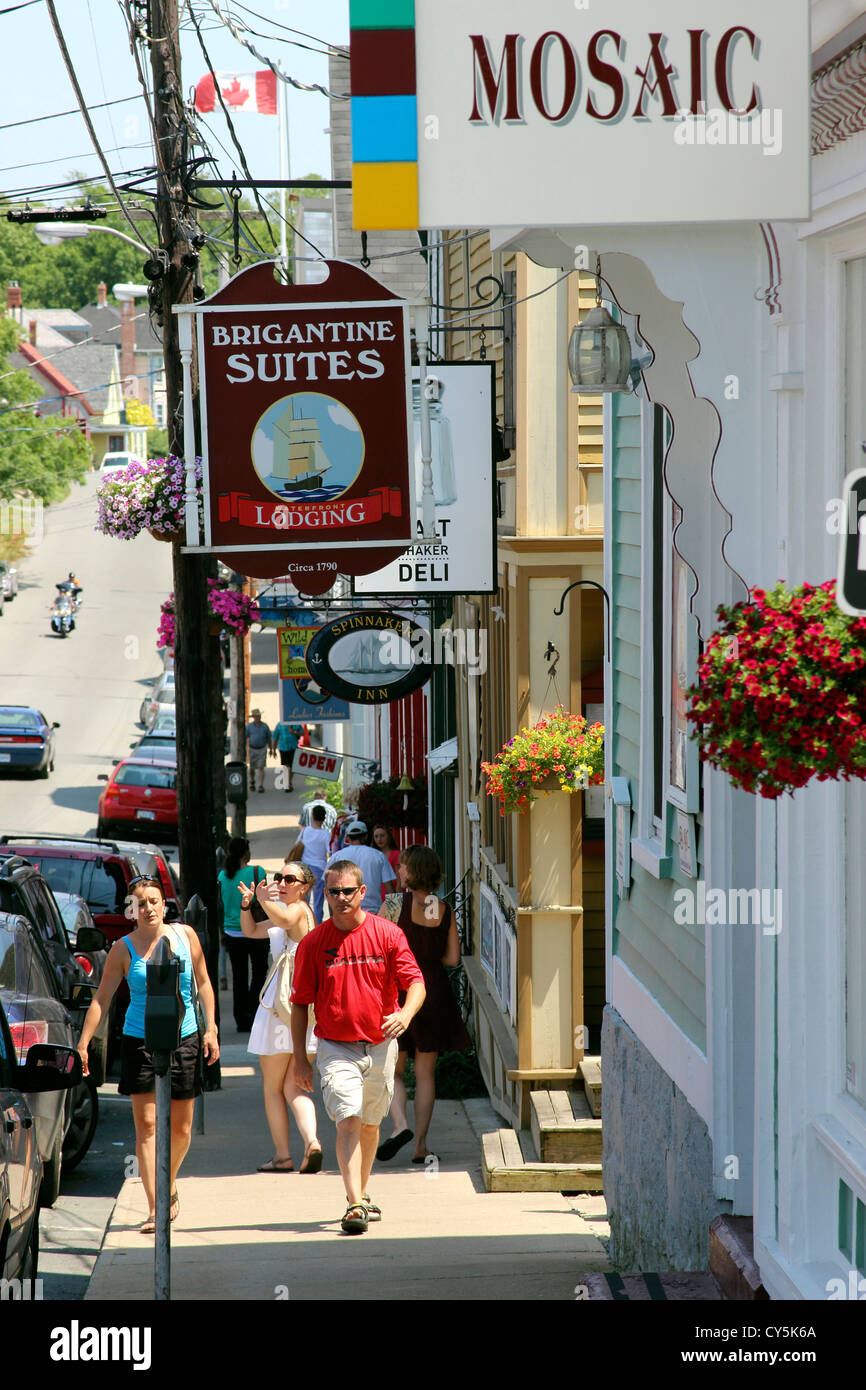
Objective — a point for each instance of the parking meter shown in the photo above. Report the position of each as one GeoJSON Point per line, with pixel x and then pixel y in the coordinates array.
{"type": "Point", "coordinates": [163, 1008]}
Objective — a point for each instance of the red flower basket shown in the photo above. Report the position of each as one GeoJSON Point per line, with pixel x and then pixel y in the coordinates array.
{"type": "Point", "coordinates": [781, 692]}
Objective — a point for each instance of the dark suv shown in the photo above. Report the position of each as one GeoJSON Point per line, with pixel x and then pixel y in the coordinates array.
{"type": "Point", "coordinates": [42, 985]}
{"type": "Point", "coordinates": [99, 871]}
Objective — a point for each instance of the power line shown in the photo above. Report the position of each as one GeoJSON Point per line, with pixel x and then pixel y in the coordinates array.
{"type": "Point", "coordinates": [330, 47]}
{"type": "Point", "coordinates": [22, 6]}
{"type": "Point", "coordinates": [75, 111]}
{"type": "Point", "coordinates": [66, 158]}
{"type": "Point", "coordinates": [284, 77]}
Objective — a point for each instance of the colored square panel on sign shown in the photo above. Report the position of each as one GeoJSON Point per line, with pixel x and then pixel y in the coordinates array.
{"type": "Point", "coordinates": [383, 62]}
{"type": "Point", "coordinates": [384, 129]}
{"type": "Point", "coordinates": [381, 14]}
{"type": "Point", "coordinates": [384, 195]}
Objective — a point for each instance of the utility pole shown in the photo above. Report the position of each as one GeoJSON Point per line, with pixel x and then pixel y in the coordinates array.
{"type": "Point", "coordinates": [197, 662]}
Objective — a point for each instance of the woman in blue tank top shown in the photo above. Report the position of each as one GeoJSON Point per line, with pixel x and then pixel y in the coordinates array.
{"type": "Point", "coordinates": [128, 958]}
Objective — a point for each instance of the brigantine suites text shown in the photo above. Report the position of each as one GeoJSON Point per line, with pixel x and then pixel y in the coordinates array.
{"type": "Point", "coordinates": [327, 351]}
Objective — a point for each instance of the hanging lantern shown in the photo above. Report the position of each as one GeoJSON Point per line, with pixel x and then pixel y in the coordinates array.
{"type": "Point", "coordinates": [599, 351]}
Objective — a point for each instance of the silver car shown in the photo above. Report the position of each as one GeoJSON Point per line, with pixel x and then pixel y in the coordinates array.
{"type": "Point", "coordinates": [8, 580]}
{"type": "Point", "coordinates": [161, 697]}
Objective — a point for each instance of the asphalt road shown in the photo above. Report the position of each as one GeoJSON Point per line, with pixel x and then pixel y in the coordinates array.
{"type": "Point", "coordinates": [92, 683]}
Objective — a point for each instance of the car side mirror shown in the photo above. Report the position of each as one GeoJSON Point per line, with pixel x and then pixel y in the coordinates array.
{"type": "Point", "coordinates": [55, 725]}
{"type": "Point", "coordinates": [49, 1067]}
{"type": "Point", "coordinates": [102, 777]}
{"type": "Point", "coordinates": [82, 994]}
{"type": "Point", "coordinates": [91, 939]}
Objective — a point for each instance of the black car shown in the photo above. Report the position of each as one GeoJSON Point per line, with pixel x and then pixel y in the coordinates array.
{"type": "Point", "coordinates": [58, 981]}
{"type": "Point", "coordinates": [47, 1069]}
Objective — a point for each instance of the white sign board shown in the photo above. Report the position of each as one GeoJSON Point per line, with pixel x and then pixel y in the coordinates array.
{"type": "Point", "coordinates": [564, 113]}
{"type": "Point", "coordinates": [462, 558]}
{"type": "Point", "coordinates": [312, 762]}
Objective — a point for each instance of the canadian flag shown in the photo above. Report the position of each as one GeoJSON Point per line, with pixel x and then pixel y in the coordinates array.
{"type": "Point", "coordinates": [241, 91]}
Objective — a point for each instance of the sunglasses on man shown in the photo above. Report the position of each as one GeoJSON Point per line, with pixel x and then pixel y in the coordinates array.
{"type": "Point", "coordinates": [343, 892]}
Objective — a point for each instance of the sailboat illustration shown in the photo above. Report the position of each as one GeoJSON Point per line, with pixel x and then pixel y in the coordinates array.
{"type": "Point", "coordinates": [300, 460]}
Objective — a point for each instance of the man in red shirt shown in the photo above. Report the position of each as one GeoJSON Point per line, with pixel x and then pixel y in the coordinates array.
{"type": "Point", "coordinates": [350, 969]}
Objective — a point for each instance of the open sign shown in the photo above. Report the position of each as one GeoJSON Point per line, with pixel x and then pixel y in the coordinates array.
{"type": "Point", "coordinates": [315, 763]}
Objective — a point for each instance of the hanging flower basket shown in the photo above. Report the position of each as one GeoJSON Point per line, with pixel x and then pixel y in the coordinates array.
{"type": "Point", "coordinates": [382, 803]}
{"type": "Point", "coordinates": [146, 497]}
{"type": "Point", "coordinates": [781, 692]}
{"type": "Point", "coordinates": [559, 753]}
{"type": "Point", "coordinates": [227, 609]}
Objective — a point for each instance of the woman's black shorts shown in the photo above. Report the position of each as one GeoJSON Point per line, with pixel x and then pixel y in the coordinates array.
{"type": "Point", "coordinates": [137, 1076]}
{"type": "Point", "coordinates": [287, 756]}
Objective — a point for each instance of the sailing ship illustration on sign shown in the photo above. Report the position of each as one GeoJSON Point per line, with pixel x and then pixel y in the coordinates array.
{"type": "Point", "coordinates": [300, 460]}
{"type": "Point", "coordinates": [367, 660]}
{"type": "Point", "coordinates": [307, 447]}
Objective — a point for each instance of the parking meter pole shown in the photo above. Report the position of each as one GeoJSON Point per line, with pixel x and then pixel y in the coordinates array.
{"type": "Point", "coordinates": [163, 1015]}
{"type": "Point", "coordinates": [162, 1253]}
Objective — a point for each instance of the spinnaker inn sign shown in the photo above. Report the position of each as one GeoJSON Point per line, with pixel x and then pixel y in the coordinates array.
{"type": "Point", "coordinates": [306, 414]}
{"type": "Point", "coordinates": [496, 112]}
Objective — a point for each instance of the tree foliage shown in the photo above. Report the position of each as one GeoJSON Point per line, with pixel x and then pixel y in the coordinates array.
{"type": "Point", "coordinates": [37, 456]}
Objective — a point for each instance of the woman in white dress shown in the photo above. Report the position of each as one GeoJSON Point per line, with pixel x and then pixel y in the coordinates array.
{"type": "Point", "coordinates": [288, 919]}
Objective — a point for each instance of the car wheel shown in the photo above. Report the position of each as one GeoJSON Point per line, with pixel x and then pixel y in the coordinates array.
{"type": "Point", "coordinates": [51, 1172]}
{"type": "Point", "coordinates": [85, 1113]}
{"type": "Point", "coordinates": [45, 771]}
{"type": "Point", "coordinates": [101, 830]}
{"type": "Point", "coordinates": [30, 1262]}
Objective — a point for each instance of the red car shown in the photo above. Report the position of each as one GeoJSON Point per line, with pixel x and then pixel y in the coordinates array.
{"type": "Point", "coordinates": [141, 794]}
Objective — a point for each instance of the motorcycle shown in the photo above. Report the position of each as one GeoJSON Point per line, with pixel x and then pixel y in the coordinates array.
{"type": "Point", "coordinates": [62, 617]}
{"type": "Point", "coordinates": [70, 589]}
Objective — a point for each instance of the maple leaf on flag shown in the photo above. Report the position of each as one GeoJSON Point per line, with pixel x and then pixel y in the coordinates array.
{"type": "Point", "coordinates": [235, 94]}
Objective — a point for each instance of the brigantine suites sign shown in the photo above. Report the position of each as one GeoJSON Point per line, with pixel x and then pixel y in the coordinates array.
{"type": "Point", "coordinates": [473, 113]}
{"type": "Point", "coordinates": [307, 410]}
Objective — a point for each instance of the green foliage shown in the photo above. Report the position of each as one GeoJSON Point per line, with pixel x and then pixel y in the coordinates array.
{"type": "Point", "coordinates": [157, 443]}
{"type": "Point", "coordinates": [37, 455]}
{"type": "Point", "coordinates": [318, 789]}
{"type": "Point", "coordinates": [458, 1077]}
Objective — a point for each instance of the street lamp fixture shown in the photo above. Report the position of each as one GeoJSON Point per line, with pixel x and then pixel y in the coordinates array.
{"type": "Point", "coordinates": [53, 233]}
{"type": "Point", "coordinates": [599, 351]}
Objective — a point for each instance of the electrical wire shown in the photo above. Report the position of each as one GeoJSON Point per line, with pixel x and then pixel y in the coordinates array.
{"type": "Point", "coordinates": [330, 47]}
{"type": "Point", "coordinates": [58, 32]}
{"type": "Point", "coordinates": [69, 158]}
{"type": "Point", "coordinates": [75, 111]}
{"type": "Point", "coordinates": [80, 391]}
{"type": "Point", "coordinates": [274, 67]}
{"type": "Point", "coordinates": [84, 342]}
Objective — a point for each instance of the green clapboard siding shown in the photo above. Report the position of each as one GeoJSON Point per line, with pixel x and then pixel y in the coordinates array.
{"type": "Point", "coordinates": [669, 958]}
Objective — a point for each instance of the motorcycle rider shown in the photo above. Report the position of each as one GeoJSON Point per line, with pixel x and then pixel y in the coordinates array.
{"type": "Point", "coordinates": [71, 588]}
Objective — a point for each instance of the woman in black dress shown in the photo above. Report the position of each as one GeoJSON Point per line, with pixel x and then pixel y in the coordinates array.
{"type": "Point", "coordinates": [437, 1027]}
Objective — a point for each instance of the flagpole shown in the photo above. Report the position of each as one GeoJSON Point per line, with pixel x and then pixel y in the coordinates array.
{"type": "Point", "coordinates": [283, 118]}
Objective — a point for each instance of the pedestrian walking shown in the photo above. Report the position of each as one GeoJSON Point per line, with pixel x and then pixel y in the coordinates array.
{"type": "Point", "coordinates": [431, 931]}
{"type": "Point", "coordinates": [127, 960]}
{"type": "Point", "coordinates": [285, 742]}
{"type": "Point", "coordinates": [312, 849]}
{"type": "Point", "coordinates": [287, 921]}
{"type": "Point", "coordinates": [259, 744]}
{"type": "Point", "coordinates": [374, 866]}
{"type": "Point", "coordinates": [350, 969]}
{"type": "Point", "coordinates": [249, 958]}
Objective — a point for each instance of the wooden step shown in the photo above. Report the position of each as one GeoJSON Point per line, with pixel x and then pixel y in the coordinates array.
{"type": "Point", "coordinates": [590, 1070]}
{"type": "Point", "coordinates": [564, 1129]}
{"type": "Point", "coordinates": [506, 1170]}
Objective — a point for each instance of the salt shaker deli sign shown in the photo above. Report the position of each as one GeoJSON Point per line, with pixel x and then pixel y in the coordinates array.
{"type": "Point", "coordinates": [307, 415]}
{"type": "Point", "coordinates": [568, 112]}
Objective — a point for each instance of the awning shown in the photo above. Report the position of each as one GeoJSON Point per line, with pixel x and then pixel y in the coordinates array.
{"type": "Point", "coordinates": [443, 756]}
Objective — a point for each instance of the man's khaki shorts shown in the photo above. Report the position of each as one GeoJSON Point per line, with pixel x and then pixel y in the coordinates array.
{"type": "Point", "coordinates": [357, 1079]}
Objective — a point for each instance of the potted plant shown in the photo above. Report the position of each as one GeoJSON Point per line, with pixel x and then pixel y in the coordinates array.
{"type": "Point", "coordinates": [228, 608]}
{"type": "Point", "coordinates": [781, 690]}
{"type": "Point", "coordinates": [146, 497]}
{"type": "Point", "coordinates": [559, 753]}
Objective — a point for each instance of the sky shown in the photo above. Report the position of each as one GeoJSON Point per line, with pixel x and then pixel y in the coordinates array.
{"type": "Point", "coordinates": [35, 83]}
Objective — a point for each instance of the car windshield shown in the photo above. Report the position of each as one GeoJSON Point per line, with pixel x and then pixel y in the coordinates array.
{"type": "Point", "coordinates": [12, 718]}
{"type": "Point", "coordinates": [158, 747]}
{"type": "Point", "coordinates": [130, 775]}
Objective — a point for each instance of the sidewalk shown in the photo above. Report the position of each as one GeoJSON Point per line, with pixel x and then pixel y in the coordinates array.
{"type": "Point", "coordinates": [252, 1236]}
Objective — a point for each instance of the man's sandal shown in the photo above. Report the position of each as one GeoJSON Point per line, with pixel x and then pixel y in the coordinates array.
{"type": "Point", "coordinates": [374, 1213]}
{"type": "Point", "coordinates": [354, 1223]}
{"type": "Point", "coordinates": [276, 1165]}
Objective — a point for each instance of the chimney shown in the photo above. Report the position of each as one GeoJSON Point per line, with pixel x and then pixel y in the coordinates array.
{"type": "Point", "coordinates": [32, 330]}
{"type": "Point", "coordinates": [13, 300]}
{"type": "Point", "coordinates": [127, 347]}
{"type": "Point", "coordinates": [101, 294]}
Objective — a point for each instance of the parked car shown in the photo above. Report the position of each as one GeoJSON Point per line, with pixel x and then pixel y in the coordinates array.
{"type": "Point", "coordinates": [114, 461]}
{"type": "Point", "coordinates": [26, 739]}
{"type": "Point", "coordinates": [156, 697]}
{"type": "Point", "coordinates": [77, 918]}
{"type": "Point", "coordinates": [165, 724]}
{"type": "Point", "coordinates": [8, 580]}
{"type": "Point", "coordinates": [46, 1070]}
{"type": "Point", "coordinates": [99, 871]}
{"type": "Point", "coordinates": [140, 792]}
{"type": "Point", "coordinates": [152, 745]}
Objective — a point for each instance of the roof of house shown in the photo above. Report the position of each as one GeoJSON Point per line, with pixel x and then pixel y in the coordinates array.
{"type": "Point", "coordinates": [104, 321]}
{"type": "Point", "coordinates": [59, 319]}
{"type": "Point", "coordinates": [83, 369]}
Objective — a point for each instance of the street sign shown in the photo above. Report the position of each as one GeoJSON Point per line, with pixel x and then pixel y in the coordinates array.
{"type": "Point", "coordinates": [851, 582]}
{"type": "Point", "coordinates": [462, 557]}
{"type": "Point", "coordinates": [371, 657]}
{"type": "Point", "coordinates": [314, 763]}
{"type": "Point", "coordinates": [306, 424]}
{"type": "Point", "coordinates": [479, 113]}
{"type": "Point", "coordinates": [305, 702]}
{"type": "Point", "coordinates": [293, 643]}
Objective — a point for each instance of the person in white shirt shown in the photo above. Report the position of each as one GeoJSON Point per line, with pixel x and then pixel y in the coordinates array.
{"type": "Point", "coordinates": [312, 848]}
{"type": "Point", "coordinates": [372, 862]}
